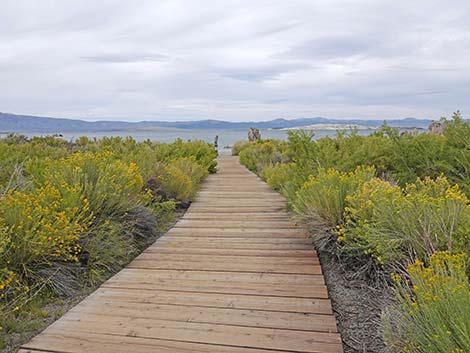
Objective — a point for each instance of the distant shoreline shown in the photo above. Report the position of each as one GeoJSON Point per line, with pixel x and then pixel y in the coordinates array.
{"type": "Point", "coordinates": [25, 123]}
{"type": "Point", "coordinates": [342, 127]}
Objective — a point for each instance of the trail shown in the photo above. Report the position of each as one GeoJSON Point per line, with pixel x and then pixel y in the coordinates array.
{"type": "Point", "coordinates": [233, 275]}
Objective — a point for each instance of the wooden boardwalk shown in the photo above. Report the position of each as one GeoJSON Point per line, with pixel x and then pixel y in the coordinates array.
{"type": "Point", "coordinates": [233, 275]}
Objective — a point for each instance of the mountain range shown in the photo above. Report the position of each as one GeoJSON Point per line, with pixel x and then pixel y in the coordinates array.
{"type": "Point", "coordinates": [27, 124]}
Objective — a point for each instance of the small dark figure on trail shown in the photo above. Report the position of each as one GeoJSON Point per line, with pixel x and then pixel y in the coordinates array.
{"type": "Point", "coordinates": [216, 141]}
{"type": "Point", "coordinates": [253, 134]}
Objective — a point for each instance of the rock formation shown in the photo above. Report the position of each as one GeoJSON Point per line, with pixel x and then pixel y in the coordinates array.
{"type": "Point", "coordinates": [437, 127]}
{"type": "Point", "coordinates": [254, 134]}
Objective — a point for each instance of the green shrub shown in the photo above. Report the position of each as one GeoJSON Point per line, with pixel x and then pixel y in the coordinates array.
{"type": "Point", "coordinates": [203, 153]}
{"type": "Point", "coordinates": [347, 151]}
{"type": "Point", "coordinates": [240, 146]}
{"type": "Point", "coordinates": [403, 157]}
{"type": "Point", "coordinates": [14, 153]}
{"type": "Point", "coordinates": [262, 154]}
{"type": "Point", "coordinates": [458, 151]}
{"type": "Point", "coordinates": [286, 178]}
{"type": "Point", "coordinates": [303, 150]}
{"type": "Point", "coordinates": [418, 156]}
{"type": "Point", "coordinates": [322, 199]}
{"type": "Point", "coordinates": [432, 313]}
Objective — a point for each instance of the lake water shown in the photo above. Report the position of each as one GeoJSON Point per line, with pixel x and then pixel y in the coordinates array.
{"type": "Point", "coordinates": [226, 137]}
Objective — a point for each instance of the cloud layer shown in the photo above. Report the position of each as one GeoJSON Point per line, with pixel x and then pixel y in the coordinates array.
{"type": "Point", "coordinates": [234, 60]}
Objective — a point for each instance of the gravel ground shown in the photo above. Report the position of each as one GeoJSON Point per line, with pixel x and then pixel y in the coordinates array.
{"type": "Point", "coordinates": [357, 304]}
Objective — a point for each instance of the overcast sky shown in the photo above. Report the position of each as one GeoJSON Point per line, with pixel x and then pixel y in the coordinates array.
{"type": "Point", "coordinates": [234, 60]}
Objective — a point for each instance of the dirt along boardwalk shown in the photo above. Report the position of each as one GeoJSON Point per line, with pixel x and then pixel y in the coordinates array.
{"type": "Point", "coordinates": [233, 275]}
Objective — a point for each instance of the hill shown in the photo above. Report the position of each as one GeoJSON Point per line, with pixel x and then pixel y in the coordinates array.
{"type": "Point", "coordinates": [27, 123]}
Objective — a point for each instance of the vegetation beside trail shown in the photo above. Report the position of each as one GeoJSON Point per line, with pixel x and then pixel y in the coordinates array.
{"type": "Point", "coordinates": [72, 214]}
{"type": "Point", "coordinates": [391, 206]}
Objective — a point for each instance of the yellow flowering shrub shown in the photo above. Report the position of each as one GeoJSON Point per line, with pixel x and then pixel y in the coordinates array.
{"type": "Point", "coordinates": [109, 185]}
{"type": "Point", "coordinates": [38, 225]}
{"type": "Point", "coordinates": [432, 313]}
{"type": "Point", "coordinates": [322, 199]}
{"type": "Point", "coordinates": [390, 223]}
{"type": "Point", "coordinates": [6, 277]}
{"type": "Point", "coordinates": [190, 167]}
{"type": "Point", "coordinates": [71, 214]}
{"type": "Point", "coordinates": [38, 228]}
{"type": "Point", "coordinates": [180, 178]}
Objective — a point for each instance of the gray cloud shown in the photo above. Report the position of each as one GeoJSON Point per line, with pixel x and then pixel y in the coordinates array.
{"type": "Point", "coordinates": [234, 59]}
{"type": "Point", "coordinates": [260, 72]}
{"type": "Point", "coordinates": [330, 47]}
{"type": "Point", "coordinates": [121, 58]}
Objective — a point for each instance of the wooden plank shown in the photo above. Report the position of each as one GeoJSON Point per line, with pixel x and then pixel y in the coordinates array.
{"type": "Point", "coordinates": [250, 302]}
{"type": "Point", "coordinates": [92, 342]}
{"type": "Point", "coordinates": [310, 260]}
{"type": "Point", "coordinates": [163, 244]}
{"type": "Point", "coordinates": [236, 203]}
{"type": "Point", "coordinates": [238, 208]}
{"type": "Point", "coordinates": [287, 231]}
{"type": "Point", "coordinates": [237, 216]}
{"type": "Point", "coordinates": [227, 233]}
{"type": "Point", "coordinates": [220, 208]}
{"type": "Point", "coordinates": [210, 265]}
{"type": "Point", "coordinates": [266, 197]}
{"type": "Point", "coordinates": [233, 240]}
{"type": "Point", "coordinates": [303, 341]}
{"type": "Point", "coordinates": [247, 188]}
{"type": "Point", "coordinates": [219, 223]}
{"type": "Point", "coordinates": [207, 315]}
{"type": "Point", "coordinates": [236, 240]}
{"type": "Point", "coordinates": [239, 194]}
{"type": "Point", "coordinates": [234, 252]}
{"type": "Point", "coordinates": [237, 233]}
{"type": "Point", "coordinates": [218, 276]}
{"type": "Point", "coordinates": [236, 182]}
{"type": "Point", "coordinates": [228, 287]}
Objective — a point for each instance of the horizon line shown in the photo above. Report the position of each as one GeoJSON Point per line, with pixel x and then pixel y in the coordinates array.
{"type": "Point", "coordinates": [145, 120]}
